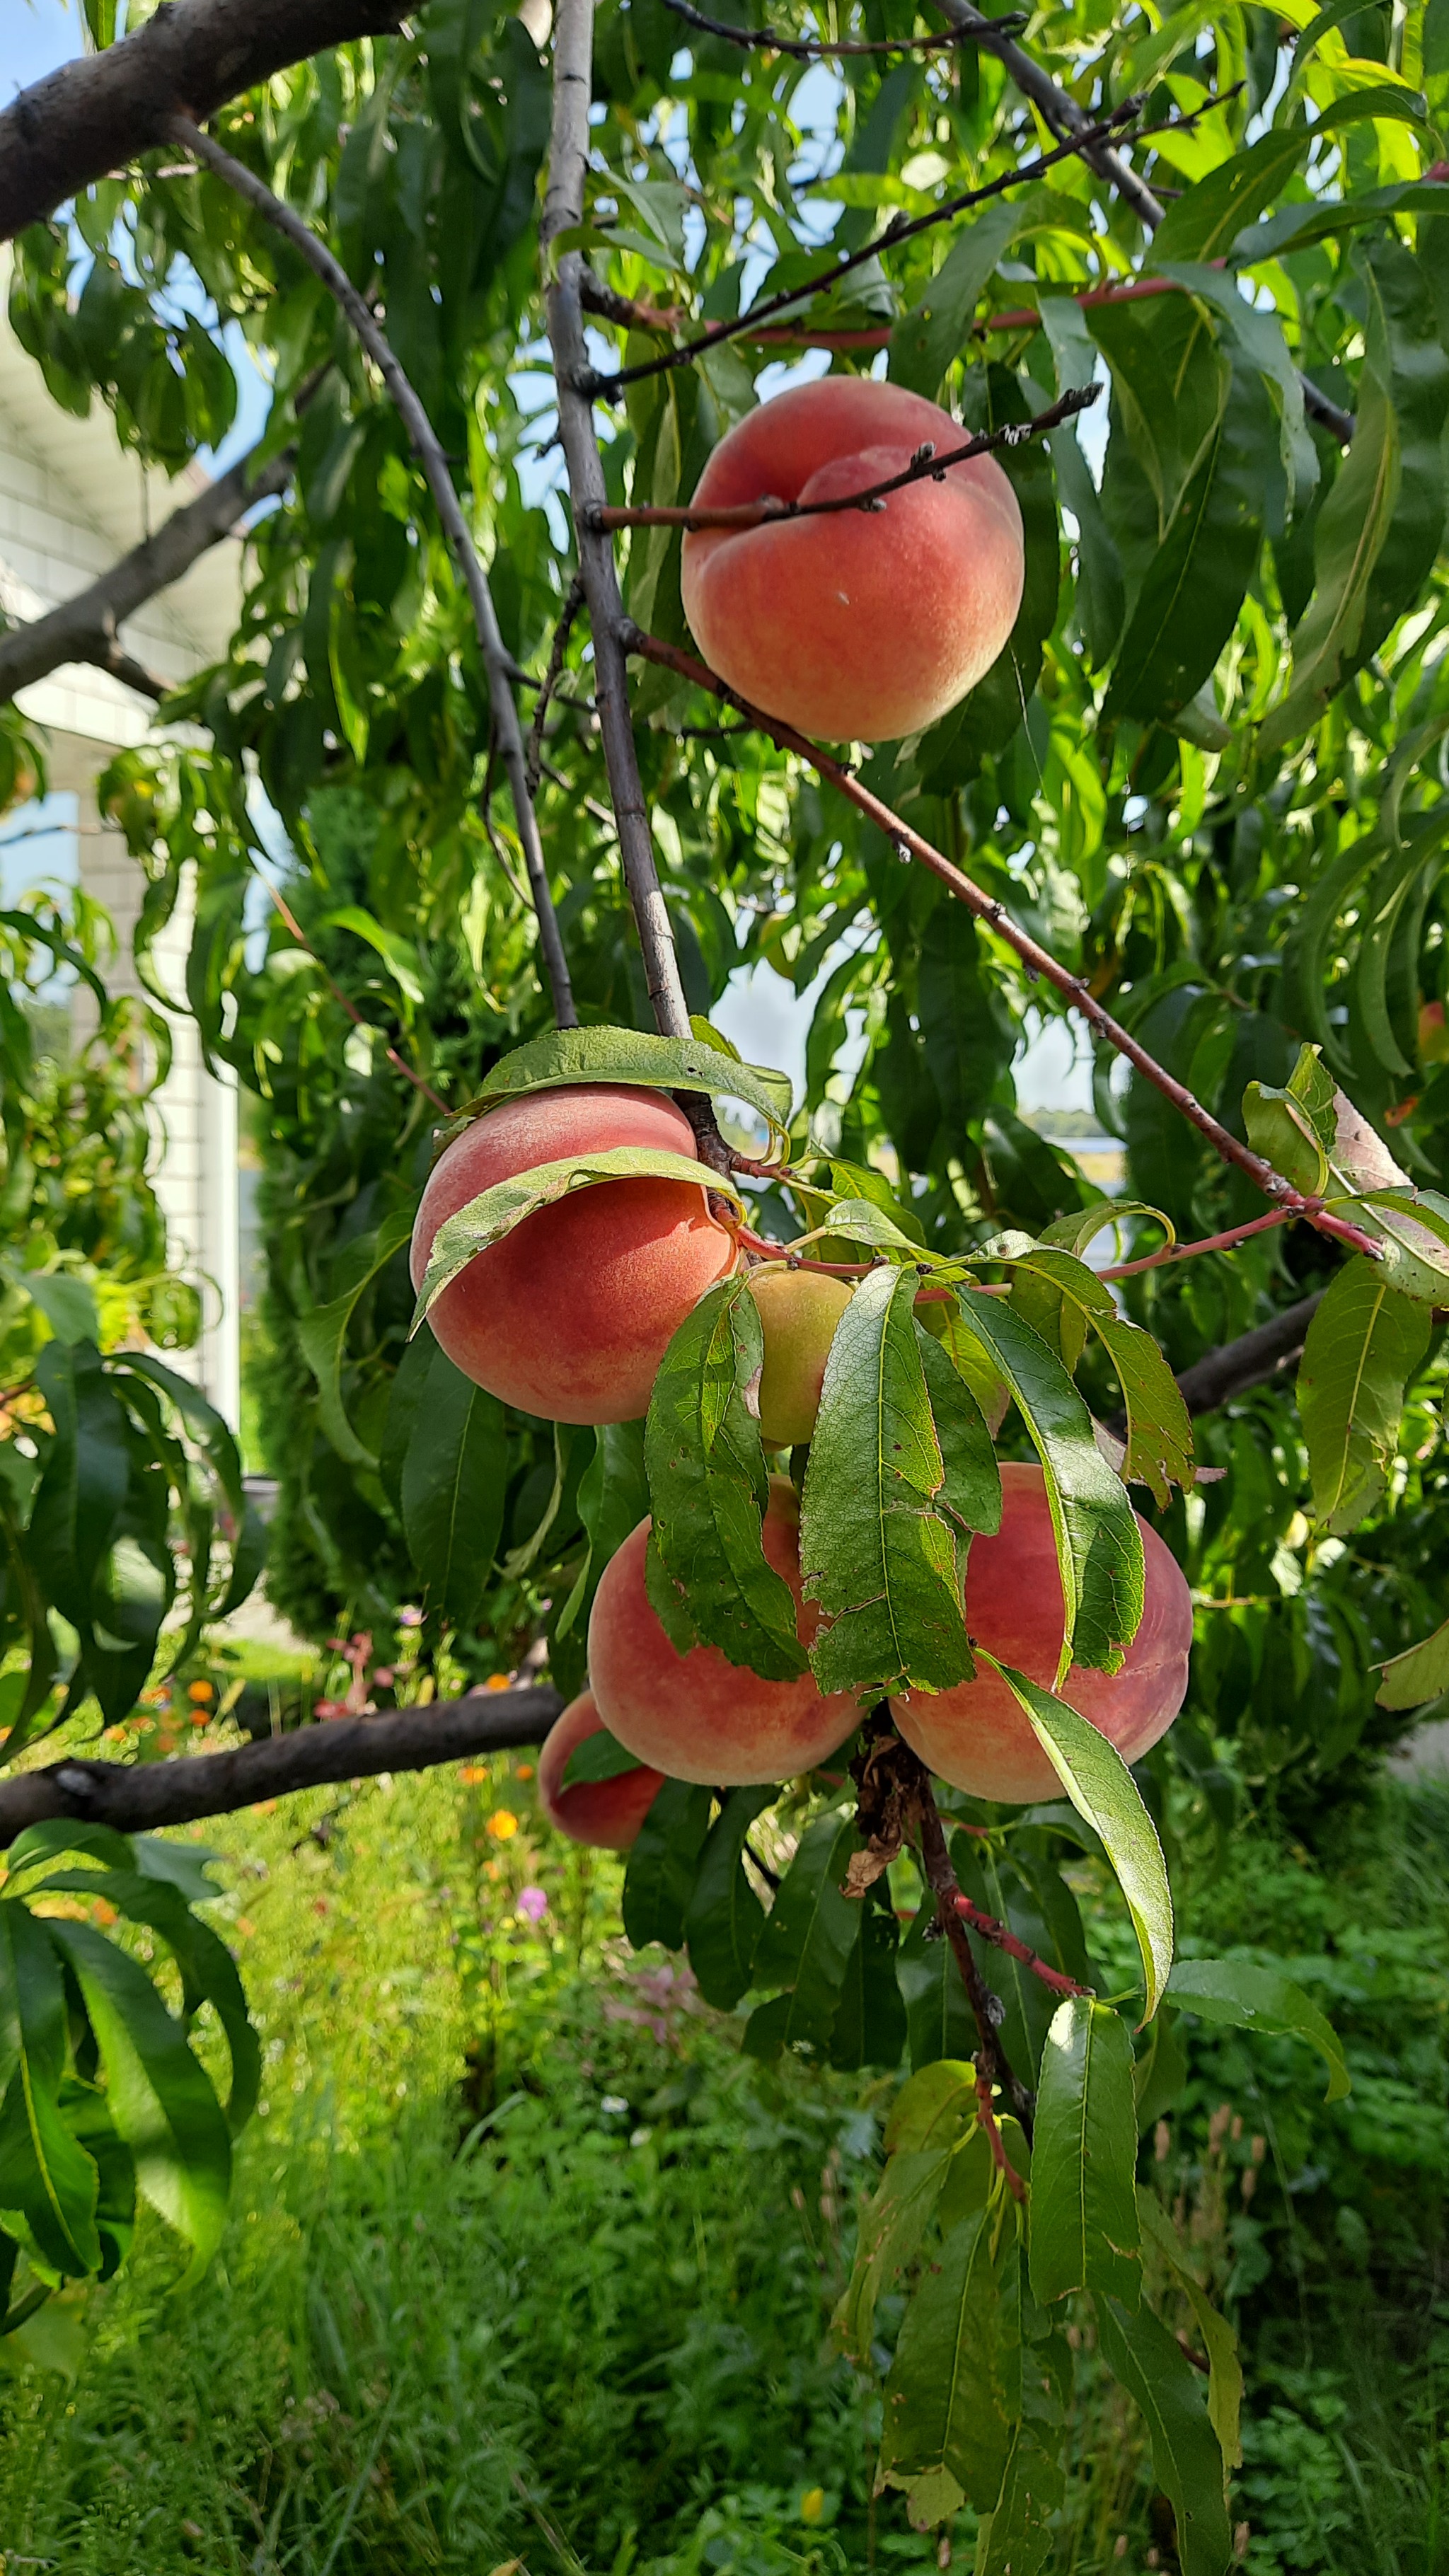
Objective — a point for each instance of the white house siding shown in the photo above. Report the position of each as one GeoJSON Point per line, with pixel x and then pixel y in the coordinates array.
{"type": "Point", "coordinates": [70, 503]}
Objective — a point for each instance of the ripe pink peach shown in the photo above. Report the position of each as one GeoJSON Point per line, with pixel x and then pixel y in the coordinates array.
{"type": "Point", "coordinates": [861, 625]}
{"type": "Point", "coordinates": [697, 1716]}
{"type": "Point", "coordinates": [978, 1736]}
{"type": "Point", "coordinates": [606, 1813]}
{"type": "Point", "coordinates": [570, 1315]}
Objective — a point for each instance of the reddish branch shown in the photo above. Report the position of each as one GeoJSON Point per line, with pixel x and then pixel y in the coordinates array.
{"type": "Point", "coordinates": [1003, 1938]}
{"type": "Point", "coordinates": [1038, 960]}
{"type": "Point", "coordinates": [807, 49]}
{"type": "Point", "coordinates": [926, 466]}
{"type": "Point", "coordinates": [899, 229]}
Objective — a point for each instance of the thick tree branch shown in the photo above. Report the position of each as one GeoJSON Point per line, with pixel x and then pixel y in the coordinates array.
{"type": "Point", "coordinates": [84, 629]}
{"type": "Point", "coordinates": [909, 843]}
{"type": "Point", "coordinates": [1062, 114]}
{"type": "Point", "coordinates": [92, 116]}
{"type": "Point", "coordinates": [1248, 1361]}
{"type": "Point", "coordinates": [497, 661]}
{"type": "Point", "coordinates": [139, 1797]}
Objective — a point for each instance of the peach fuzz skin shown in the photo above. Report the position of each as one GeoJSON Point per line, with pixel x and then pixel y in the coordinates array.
{"type": "Point", "coordinates": [604, 1813]}
{"type": "Point", "coordinates": [697, 1716]}
{"type": "Point", "coordinates": [863, 625]}
{"type": "Point", "coordinates": [570, 1315]}
{"type": "Point", "coordinates": [977, 1737]}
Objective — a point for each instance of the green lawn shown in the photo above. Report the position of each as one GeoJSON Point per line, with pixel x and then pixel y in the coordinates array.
{"type": "Point", "coordinates": [527, 2264]}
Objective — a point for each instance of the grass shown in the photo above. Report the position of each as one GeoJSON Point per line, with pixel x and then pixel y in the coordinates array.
{"type": "Point", "coordinates": [528, 2268]}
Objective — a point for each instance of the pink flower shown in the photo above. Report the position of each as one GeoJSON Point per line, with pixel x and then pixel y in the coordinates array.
{"type": "Point", "coordinates": [532, 1904]}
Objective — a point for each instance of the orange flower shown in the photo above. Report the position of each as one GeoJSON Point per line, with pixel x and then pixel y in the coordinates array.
{"type": "Point", "coordinates": [525, 1771]}
{"type": "Point", "coordinates": [502, 1825]}
{"type": "Point", "coordinates": [473, 1772]}
{"type": "Point", "coordinates": [496, 1681]}
{"type": "Point", "coordinates": [200, 1690]}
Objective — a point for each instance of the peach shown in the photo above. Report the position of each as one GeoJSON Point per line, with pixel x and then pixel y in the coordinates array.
{"type": "Point", "coordinates": [570, 1315]}
{"type": "Point", "coordinates": [606, 1813]}
{"type": "Point", "coordinates": [978, 1736]}
{"type": "Point", "coordinates": [697, 1716]}
{"type": "Point", "coordinates": [799, 1310]}
{"type": "Point", "coordinates": [861, 625]}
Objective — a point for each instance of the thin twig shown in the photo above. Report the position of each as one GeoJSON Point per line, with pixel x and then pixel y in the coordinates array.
{"type": "Point", "coordinates": [875, 335]}
{"type": "Point", "coordinates": [398, 1063]}
{"type": "Point", "coordinates": [1064, 116]}
{"type": "Point", "coordinates": [428, 451]}
{"type": "Point", "coordinates": [926, 466]}
{"type": "Point", "coordinates": [1003, 1938]}
{"type": "Point", "coordinates": [987, 908]}
{"type": "Point", "coordinates": [899, 229]}
{"type": "Point", "coordinates": [808, 49]}
{"type": "Point", "coordinates": [572, 604]}
{"type": "Point", "coordinates": [562, 210]}
{"type": "Point", "coordinates": [1206, 1243]}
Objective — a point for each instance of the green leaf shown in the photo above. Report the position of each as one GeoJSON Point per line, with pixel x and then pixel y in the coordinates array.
{"type": "Point", "coordinates": [1379, 529]}
{"type": "Point", "coordinates": [662, 1865]}
{"type": "Point", "coordinates": [944, 2412]}
{"type": "Point", "coordinates": [1159, 1427]}
{"type": "Point", "coordinates": [208, 1970]}
{"type": "Point", "coordinates": [724, 1917]}
{"type": "Point", "coordinates": [1192, 589]}
{"type": "Point", "coordinates": [398, 955]}
{"type": "Point", "coordinates": [1017, 2537]}
{"type": "Point", "coordinates": [1364, 1343]}
{"type": "Point", "coordinates": [1170, 380]}
{"type": "Point", "coordinates": [1099, 1545]}
{"type": "Point", "coordinates": [938, 327]}
{"type": "Point", "coordinates": [1225, 2370]}
{"type": "Point", "coordinates": [709, 1577]}
{"type": "Point", "coordinates": [1420, 1673]}
{"type": "Point", "coordinates": [1102, 1789]}
{"type": "Point", "coordinates": [599, 1757]}
{"type": "Point", "coordinates": [883, 1513]}
{"type": "Point", "coordinates": [160, 2097]}
{"type": "Point", "coordinates": [613, 1499]}
{"type": "Point", "coordinates": [938, 2018]}
{"type": "Point", "coordinates": [322, 1334]}
{"type": "Point", "coordinates": [935, 2113]}
{"type": "Point", "coordinates": [809, 1934]}
{"type": "Point", "coordinates": [67, 1303]}
{"type": "Point", "coordinates": [1208, 217]}
{"type": "Point", "coordinates": [869, 2028]}
{"type": "Point", "coordinates": [496, 1211]}
{"type": "Point", "coordinates": [629, 1055]}
{"type": "Point", "coordinates": [1413, 1228]}
{"type": "Point", "coordinates": [1084, 2229]}
{"type": "Point", "coordinates": [990, 714]}
{"type": "Point", "coordinates": [1263, 1999]}
{"type": "Point", "coordinates": [44, 2176]}
{"type": "Point", "coordinates": [1187, 2460]}
{"type": "Point", "coordinates": [454, 1478]}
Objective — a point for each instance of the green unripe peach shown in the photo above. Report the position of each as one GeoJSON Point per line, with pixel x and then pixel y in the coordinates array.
{"type": "Point", "coordinates": [799, 1310]}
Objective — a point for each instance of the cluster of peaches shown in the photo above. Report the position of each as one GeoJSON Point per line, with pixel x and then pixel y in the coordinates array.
{"type": "Point", "coordinates": [569, 1315]}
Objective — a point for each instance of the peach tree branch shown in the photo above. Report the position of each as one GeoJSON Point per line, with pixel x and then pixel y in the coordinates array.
{"type": "Point", "coordinates": [426, 447]}
{"type": "Point", "coordinates": [141, 1797]}
{"type": "Point", "coordinates": [1065, 117]}
{"type": "Point", "coordinates": [900, 229]}
{"type": "Point", "coordinates": [809, 49]}
{"type": "Point", "coordinates": [926, 466]}
{"type": "Point", "coordinates": [93, 115]}
{"type": "Point", "coordinates": [563, 209]}
{"type": "Point", "coordinates": [1038, 960]}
